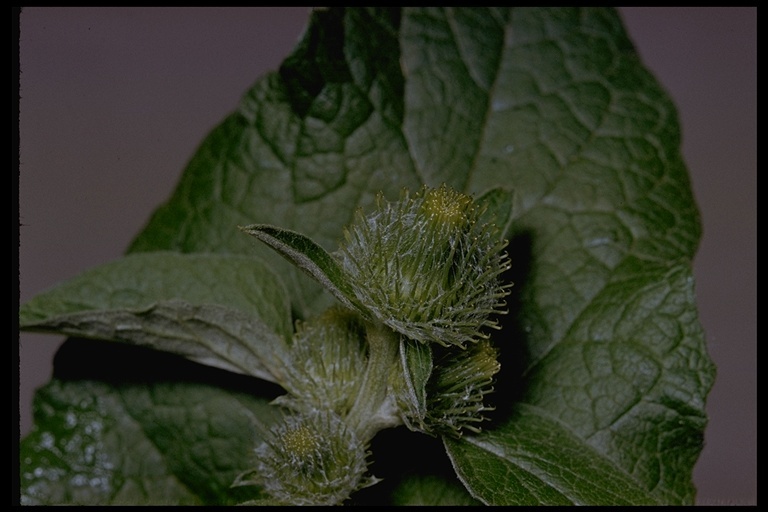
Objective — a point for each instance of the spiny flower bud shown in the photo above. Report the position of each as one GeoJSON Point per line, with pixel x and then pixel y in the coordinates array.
{"type": "Point", "coordinates": [452, 398]}
{"type": "Point", "coordinates": [426, 267]}
{"type": "Point", "coordinates": [326, 359]}
{"type": "Point", "coordinates": [457, 387]}
{"type": "Point", "coordinates": [309, 458]}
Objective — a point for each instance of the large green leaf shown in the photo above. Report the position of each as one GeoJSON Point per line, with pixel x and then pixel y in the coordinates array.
{"type": "Point", "coordinates": [565, 114]}
{"type": "Point", "coordinates": [230, 312]}
{"type": "Point", "coordinates": [534, 460]}
{"type": "Point", "coordinates": [110, 435]}
{"type": "Point", "coordinates": [306, 147]}
{"type": "Point", "coordinates": [602, 338]}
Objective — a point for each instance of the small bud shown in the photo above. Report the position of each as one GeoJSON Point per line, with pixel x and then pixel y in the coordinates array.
{"type": "Point", "coordinates": [442, 391]}
{"type": "Point", "coordinates": [427, 268]}
{"type": "Point", "coordinates": [327, 358]}
{"type": "Point", "coordinates": [309, 458]}
{"type": "Point", "coordinates": [457, 387]}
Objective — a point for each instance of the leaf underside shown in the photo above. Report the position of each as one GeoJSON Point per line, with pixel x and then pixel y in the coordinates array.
{"type": "Point", "coordinates": [230, 312]}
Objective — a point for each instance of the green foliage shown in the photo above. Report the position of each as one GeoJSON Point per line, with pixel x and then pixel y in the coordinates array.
{"type": "Point", "coordinates": [230, 312]}
{"type": "Point", "coordinates": [604, 370]}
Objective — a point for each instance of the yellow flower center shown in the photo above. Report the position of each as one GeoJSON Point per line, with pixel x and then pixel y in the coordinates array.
{"type": "Point", "coordinates": [446, 206]}
{"type": "Point", "coordinates": [300, 442]}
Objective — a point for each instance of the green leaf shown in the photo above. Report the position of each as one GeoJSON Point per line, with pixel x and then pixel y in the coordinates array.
{"type": "Point", "coordinates": [307, 146]}
{"type": "Point", "coordinates": [413, 372]}
{"type": "Point", "coordinates": [230, 312]}
{"type": "Point", "coordinates": [629, 375]}
{"type": "Point", "coordinates": [145, 443]}
{"type": "Point", "coordinates": [84, 451]}
{"type": "Point", "coordinates": [311, 258]}
{"type": "Point", "coordinates": [535, 460]}
{"type": "Point", "coordinates": [499, 204]}
{"type": "Point", "coordinates": [555, 104]}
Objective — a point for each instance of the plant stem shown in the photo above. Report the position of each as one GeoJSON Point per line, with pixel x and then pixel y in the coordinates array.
{"type": "Point", "coordinates": [373, 410]}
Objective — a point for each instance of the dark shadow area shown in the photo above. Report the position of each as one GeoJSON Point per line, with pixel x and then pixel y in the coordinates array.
{"type": "Point", "coordinates": [118, 364]}
{"type": "Point", "coordinates": [320, 59]}
{"type": "Point", "coordinates": [398, 454]}
{"type": "Point", "coordinates": [511, 340]}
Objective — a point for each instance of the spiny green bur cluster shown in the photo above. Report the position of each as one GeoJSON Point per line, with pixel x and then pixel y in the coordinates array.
{"type": "Point", "coordinates": [410, 346]}
{"type": "Point", "coordinates": [425, 268]}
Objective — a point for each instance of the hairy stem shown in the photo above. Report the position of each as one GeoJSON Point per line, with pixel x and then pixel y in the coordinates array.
{"type": "Point", "coordinates": [373, 409]}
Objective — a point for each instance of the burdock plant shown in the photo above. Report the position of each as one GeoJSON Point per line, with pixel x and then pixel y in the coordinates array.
{"type": "Point", "coordinates": [390, 158]}
{"type": "Point", "coordinates": [421, 279]}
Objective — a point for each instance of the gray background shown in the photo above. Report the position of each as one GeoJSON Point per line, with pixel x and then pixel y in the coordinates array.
{"type": "Point", "coordinates": [114, 101]}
